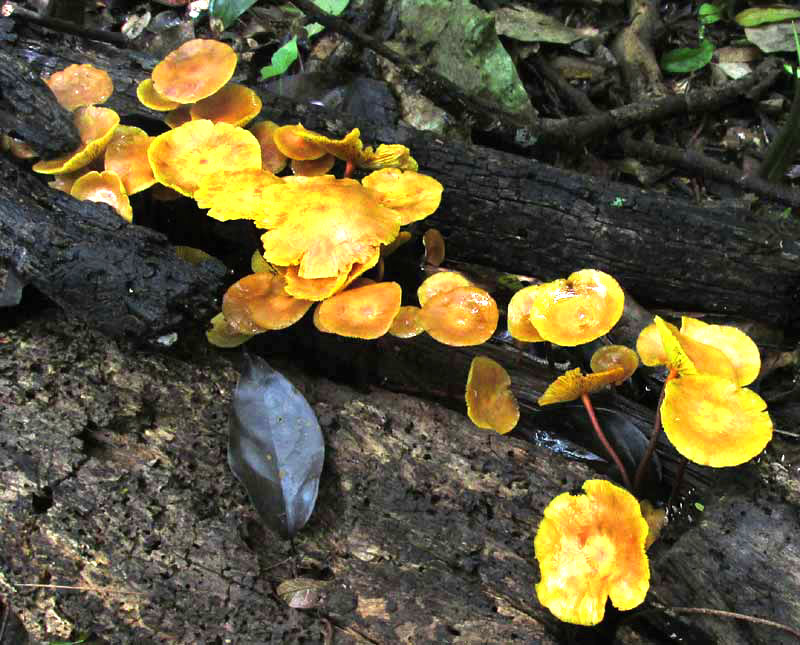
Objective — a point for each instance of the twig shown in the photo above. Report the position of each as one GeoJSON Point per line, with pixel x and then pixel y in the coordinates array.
{"type": "Point", "coordinates": [80, 588]}
{"type": "Point", "coordinates": [13, 10]}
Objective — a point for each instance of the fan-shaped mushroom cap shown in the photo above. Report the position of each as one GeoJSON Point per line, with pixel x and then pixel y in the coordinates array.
{"type": "Point", "coordinates": [434, 247]}
{"type": "Point", "coordinates": [364, 312]}
{"type": "Point", "coordinates": [322, 288]}
{"type": "Point", "coordinates": [737, 346]}
{"type": "Point", "coordinates": [413, 195]}
{"type": "Point", "coordinates": [609, 357]}
{"type": "Point", "coordinates": [95, 126]}
{"type": "Point", "coordinates": [590, 548]}
{"type": "Point", "coordinates": [573, 384]}
{"type": "Point", "coordinates": [313, 167]}
{"type": "Point", "coordinates": [258, 302]}
{"type": "Point", "coordinates": [17, 148]}
{"type": "Point", "coordinates": [324, 225]}
{"type": "Point", "coordinates": [235, 194]}
{"type": "Point", "coordinates": [650, 348]}
{"type": "Point", "coordinates": [519, 315]}
{"type": "Point", "coordinates": [221, 335]}
{"type": "Point", "coordinates": [235, 104]}
{"type": "Point", "coordinates": [490, 402]}
{"type": "Point", "coordinates": [192, 255]}
{"type": "Point", "coordinates": [272, 159]}
{"type": "Point", "coordinates": [460, 317]}
{"type": "Point", "coordinates": [126, 155]}
{"type": "Point", "coordinates": [177, 117]}
{"type": "Point", "coordinates": [440, 282]}
{"type": "Point", "coordinates": [406, 323]}
{"type": "Point", "coordinates": [195, 70]}
{"type": "Point", "coordinates": [183, 157]}
{"type": "Point", "coordinates": [713, 422]}
{"type": "Point", "coordinates": [391, 155]}
{"type": "Point", "coordinates": [579, 309]}
{"type": "Point", "coordinates": [149, 97]}
{"type": "Point", "coordinates": [105, 187]}
{"type": "Point", "coordinates": [80, 85]}
{"type": "Point", "coordinates": [291, 141]}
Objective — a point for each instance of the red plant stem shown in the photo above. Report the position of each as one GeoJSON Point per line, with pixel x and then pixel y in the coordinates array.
{"type": "Point", "coordinates": [651, 446]}
{"type": "Point", "coordinates": [600, 435]}
{"type": "Point", "coordinates": [349, 168]}
{"type": "Point", "coordinates": [676, 487]}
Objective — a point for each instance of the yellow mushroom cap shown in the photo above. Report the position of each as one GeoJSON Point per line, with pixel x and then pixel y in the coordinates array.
{"type": "Point", "coordinates": [590, 548]}
{"type": "Point", "coordinates": [195, 70]}
{"type": "Point", "coordinates": [440, 282]}
{"type": "Point", "coordinates": [313, 167]}
{"type": "Point", "coordinates": [80, 85]}
{"type": "Point", "coordinates": [460, 317]}
{"type": "Point", "coordinates": [737, 346]}
{"type": "Point", "coordinates": [149, 97]}
{"type": "Point", "coordinates": [235, 104]}
{"type": "Point", "coordinates": [490, 402]}
{"type": "Point", "coordinates": [105, 187]}
{"type": "Point", "coordinates": [348, 147]}
{"type": "Point", "coordinates": [579, 309]}
{"type": "Point", "coordinates": [221, 334]}
{"type": "Point", "coordinates": [608, 357]}
{"type": "Point", "coordinates": [95, 127]}
{"type": "Point", "coordinates": [364, 312]}
{"type": "Point", "coordinates": [235, 194]}
{"type": "Point", "coordinates": [183, 157]}
{"type": "Point", "coordinates": [713, 422]}
{"type": "Point", "coordinates": [126, 155]}
{"type": "Point", "coordinates": [413, 195]}
{"type": "Point", "coordinates": [258, 302]}
{"type": "Point", "coordinates": [650, 348]}
{"type": "Point", "coordinates": [573, 384]}
{"type": "Point", "coordinates": [519, 315]}
{"type": "Point", "coordinates": [322, 288]}
{"type": "Point", "coordinates": [406, 323]}
{"type": "Point", "coordinates": [177, 117]}
{"type": "Point", "coordinates": [290, 140]}
{"type": "Point", "coordinates": [272, 159]}
{"type": "Point", "coordinates": [324, 225]}
{"type": "Point", "coordinates": [387, 155]}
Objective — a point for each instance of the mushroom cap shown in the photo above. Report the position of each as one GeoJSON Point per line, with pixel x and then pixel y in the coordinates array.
{"type": "Point", "coordinates": [183, 157]}
{"type": "Point", "coordinates": [235, 104]}
{"type": "Point", "coordinates": [519, 315]}
{"type": "Point", "coordinates": [713, 422]}
{"type": "Point", "coordinates": [80, 85]}
{"type": "Point", "coordinates": [737, 346]}
{"type": "Point", "coordinates": [235, 194]}
{"type": "Point", "coordinates": [649, 346]}
{"type": "Point", "coordinates": [221, 335]}
{"type": "Point", "coordinates": [388, 249]}
{"type": "Point", "coordinates": [391, 155]}
{"type": "Point", "coordinates": [313, 167]}
{"type": "Point", "coordinates": [258, 302]}
{"type": "Point", "coordinates": [195, 70]}
{"type": "Point", "coordinates": [406, 323]}
{"type": "Point", "coordinates": [413, 195]}
{"type": "Point", "coordinates": [609, 357]}
{"type": "Point", "coordinates": [590, 548]}
{"type": "Point", "coordinates": [460, 317]}
{"type": "Point", "coordinates": [579, 309]}
{"type": "Point", "coordinates": [490, 402]}
{"type": "Point", "coordinates": [177, 117]}
{"type": "Point", "coordinates": [126, 155]}
{"type": "Point", "coordinates": [573, 384]}
{"type": "Point", "coordinates": [95, 127]}
{"type": "Point", "coordinates": [324, 225]}
{"type": "Point", "coordinates": [440, 282]}
{"type": "Point", "coordinates": [105, 187]}
{"type": "Point", "coordinates": [258, 264]}
{"type": "Point", "coordinates": [348, 147]}
{"type": "Point", "coordinates": [433, 242]}
{"type": "Point", "coordinates": [149, 97]}
{"type": "Point", "coordinates": [192, 255]}
{"type": "Point", "coordinates": [17, 148]}
{"type": "Point", "coordinates": [290, 140]}
{"type": "Point", "coordinates": [322, 288]}
{"type": "Point", "coordinates": [272, 159]}
{"type": "Point", "coordinates": [364, 312]}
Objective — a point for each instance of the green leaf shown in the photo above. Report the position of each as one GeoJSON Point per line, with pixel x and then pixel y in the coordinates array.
{"type": "Point", "coordinates": [281, 60]}
{"type": "Point", "coordinates": [762, 15]}
{"type": "Point", "coordinates": [313, 29]}
{"type": "Point", "coordinates": [227, 11]}
{"type": "Point", "coordinates": [688, 59]}
{"type": "Point", "coordinates": [709, 13]}
{"type": "Point", "coordinates": [333, 7]}
{"type": "Point", "coordinates": [699, 506]}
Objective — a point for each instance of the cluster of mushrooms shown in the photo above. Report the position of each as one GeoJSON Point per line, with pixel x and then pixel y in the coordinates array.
{"type": "Point", "coordinates": [322, 233]}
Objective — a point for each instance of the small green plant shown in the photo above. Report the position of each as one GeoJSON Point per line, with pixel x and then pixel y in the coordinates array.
{"type": "Point", "coordinates": [690, 59]}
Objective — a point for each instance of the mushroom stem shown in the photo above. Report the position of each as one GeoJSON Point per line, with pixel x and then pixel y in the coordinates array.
{"type": "Point", "coordinates": [651, 446]}
{"type": "Point", "coordinates": [601, 435]}
{"type": "Point", "coordinates": [676, 487]}
{"type": "Point", "coordinates": [349, 168]}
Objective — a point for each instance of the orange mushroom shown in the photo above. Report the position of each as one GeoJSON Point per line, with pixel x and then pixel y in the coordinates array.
{"type": "Point", "coordinates": [434, 247]}
{"type": "Point", "coordinates": [406, 323]}
{"type": "Point", "coordinates": [737, 346]}
{"type": "Point", "coordinates": [126, 155]}
{"type": "Point", "coordinates": [195, 70]}
{"type": "Point", "coordinates": [80, 85]}
{"type": "Point", "coordinates": [313, 167]}
{"type": "Point", "coordinates": [235, 104]}
{"type": "Point", "coordinates": [609, 357]}
{"type": "Point", "coordinates": [105, 187]}
{"type": "Point", "coordinates": [272, 159]}
{"type": "Point", "coordinates": [364, 312]}
{"type": "Point", "coordinates": [149, 97]}
{"type": "Point", "coordinates": [413, 195]}
{"type": "Point", "coordinates": [322, 288]}
{"type": "Point", "coordinates": [235, 194]}
{"type": "Point", "coordinates": [259, 302]}
{"type": "Point", "coordinates": [579, 309]}
{"type": "Point", "coordinates": [177, 117]}
{"type": "Point", "coordinates": [574, 384]}
{"type": "Point", "coordinates": [222, 335]}
{"type": "Point", "coordinates": [440, 282]}
{"type": "Point", "coordinates": [183, 157]}
{"type": "Point", "coordinates": [460, 317]}
{"type": "Point", "coordinates": [289, 140]}
{"type": "Point", "coordinates": [490, 402]}
{"type": "Point", "coordinates": [590, 548]}
{"type": "Point", "coordinates": [392, 155]}
{"type": "Point", "coordinates": [519, 315]}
